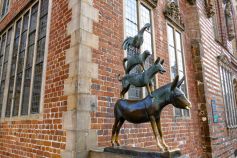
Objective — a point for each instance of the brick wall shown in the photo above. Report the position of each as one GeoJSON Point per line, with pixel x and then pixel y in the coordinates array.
{"type": "Point", "coordinates": [42, 136]}
{"type": "Point", "coordinates": [223, 140]}
{"type": "Point", "coordinates": [74, 89]}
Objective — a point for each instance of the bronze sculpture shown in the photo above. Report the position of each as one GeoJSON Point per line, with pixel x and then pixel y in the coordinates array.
{"type": "Point", "coordinates": [136, 41]}
{"type": "Point", "coordinates": [142, 79]}
{"type": "Point", "coordinates": [149, 109]}
{"type": "Point", "coordinates": [137, 59]}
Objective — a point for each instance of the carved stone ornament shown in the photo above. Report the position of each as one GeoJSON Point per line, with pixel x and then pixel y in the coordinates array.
{"type": "Point", "coordinates": [209, 6]}
{"type": "Point", "coordinates": [229, 21]}
{"type": "Point", "coordinates": [192, 2]}
{"type": "Point", "coordinates": [172, 13]}
{"type": "Point", "coordinates": [231, 61]}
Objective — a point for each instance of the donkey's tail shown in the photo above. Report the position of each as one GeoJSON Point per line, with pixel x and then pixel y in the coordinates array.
{"type": "Point", "coordinates": [124, 65]}
{"type": "Point", "coordinates": [119, 77]}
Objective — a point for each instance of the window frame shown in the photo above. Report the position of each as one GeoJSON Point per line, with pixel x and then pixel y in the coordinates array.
{"type": "Point", "coordinates": [230, 110]}
{"type": "Point", "coordinates": [2, 16]}
{"type": "Point", "coordinates": [29, 115]}
{"type": "Point", "coordinates": [175, 29]}
{"type": "Point", "coordinates": [153, 44]}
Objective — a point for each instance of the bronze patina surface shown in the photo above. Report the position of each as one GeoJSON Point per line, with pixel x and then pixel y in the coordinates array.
{"type": "Point", "coordinates": [149, 110]}
{"type": "Point", "coordinates": [142, 79]}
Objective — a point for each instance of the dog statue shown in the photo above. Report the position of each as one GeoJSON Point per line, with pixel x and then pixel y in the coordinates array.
{"type": "Point", "coordinates": [142, 79]}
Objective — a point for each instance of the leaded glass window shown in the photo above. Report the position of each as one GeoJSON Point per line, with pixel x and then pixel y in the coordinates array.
{"type": "Point", "coordinates": [13, 67]}
{"type": "Point", "coordinates": [229, 96]}
{"type": "Point", "coordinates": [176, 61]}
{"type": "Point", "coordinates": [136, 16]}
{"type": "Point", "coordinates": [27, 61]}
{"type": "Point", "coordinates": [4, 62]}
{"type": "Point", "coordinates": [3, 44]}
{"type": "Point", "coordinates": [5, 7]}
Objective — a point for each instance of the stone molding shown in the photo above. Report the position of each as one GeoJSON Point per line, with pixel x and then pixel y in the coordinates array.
{"type": "Point", "coordinates": [209, 6]}
{"type": "Point", "coordinates": [153, 3]}
{"type": "Point", "coordinates": [172, 13]}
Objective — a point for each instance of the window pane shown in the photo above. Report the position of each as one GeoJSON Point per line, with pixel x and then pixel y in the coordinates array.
{"type": "Point", "coordinates": [5, 7]}
{"type": "Point", "coordinates": [178, 41]}
{"type": "Point", "coordinates": [3, 42]}
{"type": "Point", "coordinates": [173, 66]}
{"type": "Point", "coordinates": [38, 73]}
{"type": "Point", "coordinates": [131, 11]}
{"type": "Point", "coordinates": [29, 61]}
{"type": "Point", "coordinates": [180, 61]}
{"type": "Point", "coordinates": [20, 64]}
{"type": "Point", "coordinates": [4, 71]}
{"type": "Point", "coordinates": [176, 62]}
{"type": "Point", "coordinates": [170, 34]}
{"type": "Point", "coordinates": [13, 65]}
{"type": "Point", "coordinates": [37, 88]}
{"type": "Point", "coordinates": [145, 16]}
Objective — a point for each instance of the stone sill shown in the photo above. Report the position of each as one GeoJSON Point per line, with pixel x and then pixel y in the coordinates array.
{"type": "Point", "coordinates": [22, 118]}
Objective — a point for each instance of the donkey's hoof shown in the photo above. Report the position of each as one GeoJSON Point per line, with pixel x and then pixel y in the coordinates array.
{"type": "Point", "coordinates": [112, 142]}
{"type": "Point", "coordinates": [118, 144]}
{"type": "Point", "coordinates": [166, 149]}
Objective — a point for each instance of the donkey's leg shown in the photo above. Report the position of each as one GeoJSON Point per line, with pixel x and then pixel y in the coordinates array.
{"type": "Point", "coordinates": [124, 90]}
{"type": "Point", "coordinates": [155, 132]}
{"type": "Point", "coordinates": [114, 131]}
{"type": "Point", "coordinates": [121, 121]}
{"type": "Point", "coordinates": [161, 135]}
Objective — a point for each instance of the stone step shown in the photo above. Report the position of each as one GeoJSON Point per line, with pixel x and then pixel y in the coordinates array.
{"type": "Point", "coordinates": [131, 152]}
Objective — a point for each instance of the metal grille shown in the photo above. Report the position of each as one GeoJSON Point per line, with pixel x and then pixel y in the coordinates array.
{"type": "Point", "coordinates": [229, 97]}
{"type": "Point", "coordinates": [176, 62]}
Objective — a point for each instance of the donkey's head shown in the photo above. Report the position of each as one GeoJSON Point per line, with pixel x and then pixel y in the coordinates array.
{"type": "Point", "coordinates": [177, 97]}
{"type": "Point", "coordinates": [158, 65]}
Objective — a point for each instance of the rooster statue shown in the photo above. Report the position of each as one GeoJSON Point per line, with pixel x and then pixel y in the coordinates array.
{"type": "Point", "coordinates": [136, 41]}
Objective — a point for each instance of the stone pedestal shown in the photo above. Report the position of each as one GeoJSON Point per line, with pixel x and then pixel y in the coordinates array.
{"type": "Point", "coordinates": [130, 152]}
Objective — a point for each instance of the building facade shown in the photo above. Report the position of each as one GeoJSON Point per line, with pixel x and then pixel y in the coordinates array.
{"type": "Point", "coordinates": [59, 62]}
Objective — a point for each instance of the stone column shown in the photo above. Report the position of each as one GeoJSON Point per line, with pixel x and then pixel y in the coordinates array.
{"type": "Point", "coordinates": [77, 120]}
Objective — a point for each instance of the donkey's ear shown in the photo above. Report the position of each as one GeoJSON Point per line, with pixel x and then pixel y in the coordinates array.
{"type": "Point", "coordinates": [162, 62]}
{"type": "Point", "coordinates": [157, 60]}
{"type": "Point", "coordinates": [180, 82]}
{"type": "Point", "coordinates": [175, 83]}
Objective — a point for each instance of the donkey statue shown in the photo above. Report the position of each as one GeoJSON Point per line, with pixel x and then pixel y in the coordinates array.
{"type": "Point", "coordinates": [149, 110]}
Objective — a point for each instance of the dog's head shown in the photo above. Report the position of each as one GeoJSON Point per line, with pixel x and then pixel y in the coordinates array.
{"type": "Point", "coordinates": [159, 65]}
